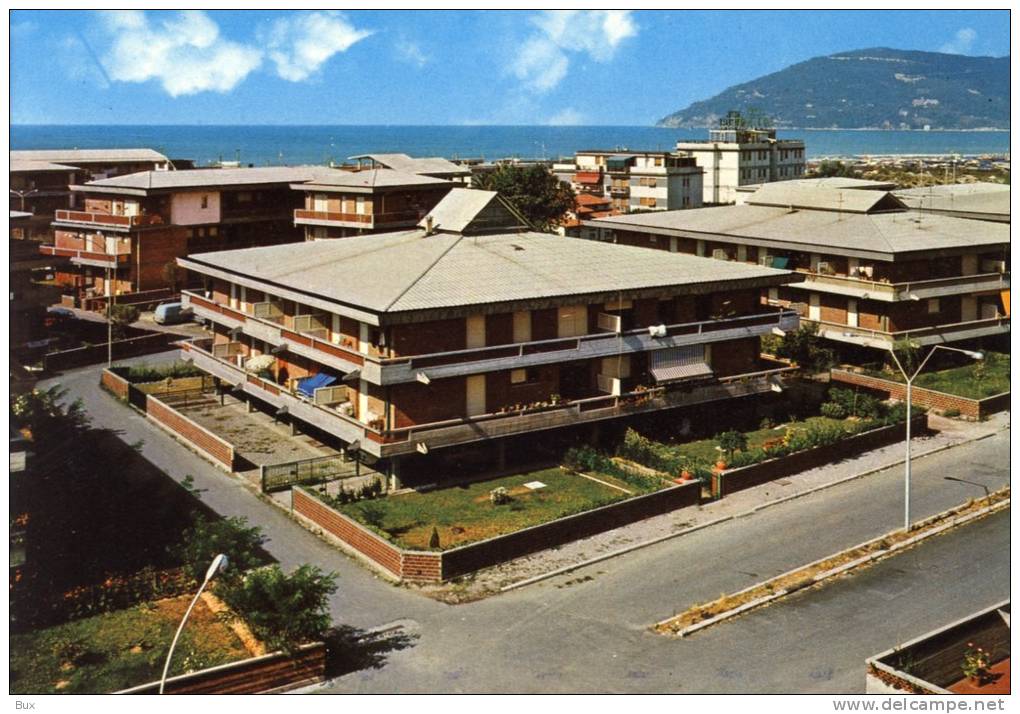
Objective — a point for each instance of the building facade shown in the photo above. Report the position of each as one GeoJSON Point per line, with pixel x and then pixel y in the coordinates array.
{"type": "Point", "coordinates": [635, 181]}
{"type": "Point", "coordinates": [472, 328]}
{"type": "Point", "coordinates": [875, 271]}
{"type": "Point", "coordinates": [737, 156]}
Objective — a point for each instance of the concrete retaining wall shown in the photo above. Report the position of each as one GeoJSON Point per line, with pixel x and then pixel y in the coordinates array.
{"type": "Point", "coordinates": [928, 398]}
{"type": "Point", "coordinates": [217, 449]}
{"type": "Point", "coordinates": [438, 566]}
{"type": "Point", "coordinates": [275, 672]}
{"type": "Point", "coordinates": [94, 354]}
{"type": "Point", "coordinates": [734, 480]}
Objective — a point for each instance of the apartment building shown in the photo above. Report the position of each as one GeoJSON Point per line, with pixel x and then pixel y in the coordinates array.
{"type": "Point", "coordinates": [472, 329]}
{"type": "Point", "coordinates": [132, 227]}
{"type": "Point", "coordinates": [737, 155]}
{"type": "Point", "coordinates": [38, 189]}
{"type": "Point", "coordinates": [587, 206]}
{"type": "Point", "coordinates": [979, 201]}
{"type": "Point", "coordinates": [875, 271]}
{"type": "Point", "coordinates": [339, 204]}
{"type": "Point", "coordinates": [635, 180]}
{"type": "Point", "coordinates": [434, 166]}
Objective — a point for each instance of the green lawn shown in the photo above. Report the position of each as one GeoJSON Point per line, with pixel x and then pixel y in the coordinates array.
{"type": "Point", "coordinates": [464, 514]}
{"type": "Point", "coordinates": [118, 650]}
{"type": "Point", "coordinates": [976, 380]}
{"type": "Point", "coordinates": [705, 449]}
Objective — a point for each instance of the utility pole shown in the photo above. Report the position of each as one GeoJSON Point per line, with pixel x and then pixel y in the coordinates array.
{"type": "Point", "coordinates": [109, 319]}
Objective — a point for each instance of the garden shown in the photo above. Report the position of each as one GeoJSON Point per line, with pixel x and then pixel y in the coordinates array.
{"type": "Point", "coordinates": [113, 556]}
{"type": "Point", "coordinates": [976, 379]}
{"type": "Point", "coordinates": [457, 515]}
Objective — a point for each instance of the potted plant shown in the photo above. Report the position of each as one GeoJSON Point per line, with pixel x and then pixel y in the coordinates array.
{"type": "Point", "coordinates": [975, 664]}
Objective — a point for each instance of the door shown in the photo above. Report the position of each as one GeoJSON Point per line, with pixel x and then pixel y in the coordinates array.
{"type": "Point", "coordinates": [851, 312]}
{"type": "Point", "coordinates": [475, 395]}
{"type": "Point", "coordinates": [475, 331]}
{"type": "Point", "coordinates": [814, 307]}
{"type": "Point", "coordinates": [968, 308]}
{"type": "Point", "coordinates": [970, 264]}
{"type": "Point", "coordinates": [672, 245]}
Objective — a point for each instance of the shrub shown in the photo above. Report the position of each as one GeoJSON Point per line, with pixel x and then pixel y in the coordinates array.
{"type": "Point", "coordinates": [951, 413]}
{"type": "Point", "coordinates": [499, 496]}
{"type": "Point", "coordinates": [732, 441]}
{"type": "Point", "coordinates": [158, 373]}
{"type": "Point", "coordinates": [284, 611]}
{"type": "Point", "coordinates": [805, 347]}
{"type": "Point", "coordinates": [434, 539]}
{"type": "Point", "coordinates": [121, 316]}
{"type": "Point", "coordinates": [231, 536]}
{"type": "Point", "coordinates": [857, 404]}
{"type": "Point", "coordinates": [585, 458]}
{"type": "Point", "coordinates": [372, 514]}
{"type": "Point", "coordinates": [833, 410]}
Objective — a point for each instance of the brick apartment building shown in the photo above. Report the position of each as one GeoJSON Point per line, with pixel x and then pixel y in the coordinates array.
{"type": "Point", "coordinates": [875, 271]}
{"type": "Point", "coordinates": [340, 204]}
{"type": "Point", "coordinates": [473, 328]}
{"type": "Point", "coordinates": [41, 180]}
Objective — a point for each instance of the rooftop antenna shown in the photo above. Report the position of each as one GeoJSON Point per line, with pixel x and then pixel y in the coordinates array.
{"type": "Point", "coordinates": [839, 209]}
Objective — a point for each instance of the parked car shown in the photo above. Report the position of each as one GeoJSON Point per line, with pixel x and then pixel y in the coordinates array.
{"type": "Point", "coordinates": [58, 316]}
{"type": "Point", "coordinates": [171, 313]}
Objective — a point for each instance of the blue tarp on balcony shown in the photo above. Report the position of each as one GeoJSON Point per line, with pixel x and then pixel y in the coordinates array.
{"type": "Point", "coordinates": [308, 385]}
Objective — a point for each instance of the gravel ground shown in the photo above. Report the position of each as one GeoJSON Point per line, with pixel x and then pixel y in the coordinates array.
{"type": "Point", "coordinates": [493, 579]}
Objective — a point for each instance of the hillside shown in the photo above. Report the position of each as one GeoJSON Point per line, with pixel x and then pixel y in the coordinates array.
{"type": "Point", "coordinates": [876, 88]}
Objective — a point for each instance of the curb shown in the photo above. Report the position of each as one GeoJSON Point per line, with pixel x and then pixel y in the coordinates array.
{"type": "Point", "coordinates": [839, 570]}
{"type": "Point", "coordinates": [751, 511]}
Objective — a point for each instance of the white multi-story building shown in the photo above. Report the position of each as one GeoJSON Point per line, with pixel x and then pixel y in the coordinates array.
{"type": "Point", "coordinates": [636, 180]}
{"type": "Point", "coordinates": [737, 156]}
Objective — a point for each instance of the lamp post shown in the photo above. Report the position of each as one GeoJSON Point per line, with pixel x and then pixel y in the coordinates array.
{"type": "Point", "coordinates": [910, 383]}
{"type": "Point", "coordinates": [219, 563]}
{"type": "Point", "coordinates": [988, 494]}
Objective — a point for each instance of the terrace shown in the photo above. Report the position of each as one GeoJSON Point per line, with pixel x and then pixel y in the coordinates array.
{"type": "Point", "coordinates": [303, 216]}
{"type": "Point", "coordinates": [306, 335]}
{"type": "Point", "coordinates": [324, 414]}
{"type": "Point", "coordinates": [76, 219]}
{"type": "Point", "coordinates": [937, 334]}
{"type": "Point", "coordinates": [911, 290]}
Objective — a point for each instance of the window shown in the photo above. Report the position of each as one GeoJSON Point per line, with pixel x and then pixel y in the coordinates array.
{"type": "Point", "coordinates": [658, 161]}
{"type": "Point", "coordinates": [244, 197]}
{"type": "Point", "coordinates": [933, 306]}
{"type": "Point", "coordinates": [213, 231]}
{"type": "Point", "coordinates": [205, 201]}
{"type": "Point", "coordinates": [573, 321]}
{"type": "Point", "coordinates": [523, 376]}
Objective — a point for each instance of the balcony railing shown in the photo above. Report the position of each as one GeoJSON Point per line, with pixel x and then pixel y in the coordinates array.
{"type": "Point", "coordinates": [87, 257]}
{"type": "Point", "coordinates": [361, 219]}
{"type": "Point", "coordinates": [313, 344]}
{"type": "Point", "coordinates": [951, 332]}
{"type": "Point", "coordinates": [406, 440]}
{"type": "Point", "coordinates": [887, 292]}
{"type": "Point", "coordinates": [108, 219]}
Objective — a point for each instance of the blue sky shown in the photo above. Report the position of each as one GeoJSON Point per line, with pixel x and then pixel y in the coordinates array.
{"type": "Point", "coordinates": [433, 67]}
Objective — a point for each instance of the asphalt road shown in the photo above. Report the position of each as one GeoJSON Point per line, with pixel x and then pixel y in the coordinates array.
{"type": "Point", "coordinates": [587, 631]}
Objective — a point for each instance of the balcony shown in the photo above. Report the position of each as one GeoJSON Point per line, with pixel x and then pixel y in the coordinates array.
{"type": "Point", "coordinates": [106, 220]}
{"type": "Point", "coordinates": [312, 343]}
{"type": "Point", "coordinates": [913, 290]}
{"type": "Point", "coordinates": [304, 216]}
{"type": "Point", "coordinates": [408, 440]}
{"type": "Point", "coordinates": [937, 334]}
{"type": "Point", "coordinates": [99, 259]}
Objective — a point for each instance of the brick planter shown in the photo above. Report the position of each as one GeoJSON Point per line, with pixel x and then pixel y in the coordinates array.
{"type": "Point", "coordinates": [438, 566]}
{"type": "Point", "coordinates": [928, 398]}
{"type": "Point", "coordinates": [219, 450]}
{"type": "Point", "coordinates": [734, 480]}
{"type": "Point", "coordinates": [115, 384]}
{"type": "Point", "coordinates": [277, 672]}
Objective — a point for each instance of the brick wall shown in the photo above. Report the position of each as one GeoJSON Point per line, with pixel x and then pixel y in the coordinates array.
{"type": "Point", "coordinates": [833, 308]}
{"type": "Point", "coordinates": [735, 356]}
{"type": "Point", "coordinates": [115, 384]}
{"type": "Point", "coordinates": [426, 337]}
{"type": "Point", "coordinates": [416, 403]}
{"type": "Point", "coordinates": [928, 398]}
{"type": "Point", "coordinates": [425, 566]}
{"type": "Point", "coordinates": [735, 480]}
{"type": "Point", "coordinates": [275, 672]}
{"type": "Point", "coordinates": [154, 250]}
{"type": "Point", "coordinates": [220, 451]}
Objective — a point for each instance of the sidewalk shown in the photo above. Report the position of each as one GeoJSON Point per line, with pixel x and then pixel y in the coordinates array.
{"type": "Point", "coordinates": [545, 563]}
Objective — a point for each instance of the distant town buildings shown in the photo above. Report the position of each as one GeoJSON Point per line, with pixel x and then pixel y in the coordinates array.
{"type": "Point", "coordinates": [741, 152]}
{"type": "Point", "coordinates": [472, 329]}
{"type": "Point", "coordinates": [635, 180]}
{"type": "Point", "coordinates": [876, 272]}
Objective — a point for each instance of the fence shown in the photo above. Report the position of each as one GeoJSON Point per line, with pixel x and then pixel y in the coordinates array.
{"type": "Point", "coordinates": [279, 477]}
{"type": "Point", "coordinates": [928, 398]}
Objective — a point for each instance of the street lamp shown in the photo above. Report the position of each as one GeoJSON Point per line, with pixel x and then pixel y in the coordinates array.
{"type": "Point", "coordinates": [910, 383]}
{"type": "Point", "coordinates": [219, 563]}
{"type": "Point", "coordinates": [988, 494]}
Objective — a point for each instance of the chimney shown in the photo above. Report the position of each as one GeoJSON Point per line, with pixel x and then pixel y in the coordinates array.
{"type": "Point", "coordinates": [428, 225]}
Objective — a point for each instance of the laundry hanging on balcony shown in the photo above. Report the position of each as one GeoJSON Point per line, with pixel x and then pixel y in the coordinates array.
{"type": "Point", "coordinates": [308, 385]}
{"type": "Point", "coordinates": [677, 363]}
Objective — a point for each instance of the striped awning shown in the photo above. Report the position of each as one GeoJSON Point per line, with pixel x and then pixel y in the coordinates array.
{"type": "Point", "coordinates": [677, 363]}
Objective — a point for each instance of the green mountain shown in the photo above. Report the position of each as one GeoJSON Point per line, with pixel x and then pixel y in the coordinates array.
{"type": "Point", "coordinates": [876, 88]}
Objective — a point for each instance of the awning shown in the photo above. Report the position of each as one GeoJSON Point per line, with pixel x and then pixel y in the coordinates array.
{"type": "Point", "coordinates": [1005, 302]}
{"type": "Point", "coordinates": [588, 177]}
{"type": "Point", "coordinates": [677, 363]}
{"type": "Point", "coordinates": [308, 385]}
{"type": "Point", "coordinates": [779, 262]}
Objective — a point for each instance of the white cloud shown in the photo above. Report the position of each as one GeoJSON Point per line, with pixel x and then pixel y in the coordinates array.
{"type": "Point", "coordinates": [300, 45]}
{"type": "Point", "coordinates": [411, 53]}
{"type": "Point", "coordinates": [961, 43]}
{"type": "Point", "coordinates": [544, 59]}
{"type": "Point", "coordinates": [566, 117]}
{"type": "Point", "coordinates": [185, 53]}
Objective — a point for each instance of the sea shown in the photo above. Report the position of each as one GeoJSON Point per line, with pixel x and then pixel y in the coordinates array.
{"type": "Point", "coordinates": [266, 145]}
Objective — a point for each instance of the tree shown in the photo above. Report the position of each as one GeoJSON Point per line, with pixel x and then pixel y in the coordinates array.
{"type": "Point", "coordinates": [828, 169]}
{"type": "Point", "coordinates": [231, 536]}
{"type": "Point", "coordinates": [804, 346]}
{"type": "Point", "coordinates": [909, 355]}
{"type": "Point", "coordinates": [171, 275]}
{"type": "Point", "coordinates": [541, 197]}
{"type": "Point", "coordinates": [122, 316]}
{"type": "Point", "coordinates": [284, 611]}
{"type": "Point", "coordinates": [43, 413]}
{"type": "Point", "coordinates": [731, 441]}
